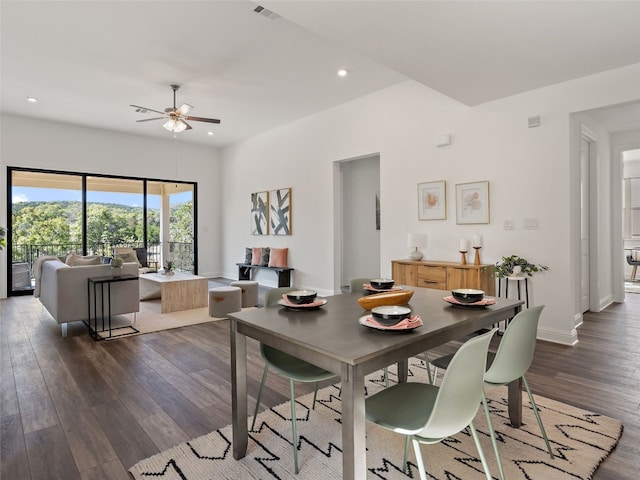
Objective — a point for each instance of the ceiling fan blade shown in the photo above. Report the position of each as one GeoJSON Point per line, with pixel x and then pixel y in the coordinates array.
{"type": "Point", "coordinates": [140, 109]}
{"type": "Point", "coordinates": [188, 126]}
{"type": "Point", "coordinates": [149, 119]}
{"type": "Point", "coordinates": [184, 109]}
{"type": "Point", "coordinates": [201, 119]}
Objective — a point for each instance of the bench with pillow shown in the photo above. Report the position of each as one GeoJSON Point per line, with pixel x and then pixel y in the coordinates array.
{"type": "Point", "coordinates": [267, 258]}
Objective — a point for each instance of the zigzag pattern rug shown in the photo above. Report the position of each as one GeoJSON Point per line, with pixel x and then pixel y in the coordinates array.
{"type": "Point", "coordinates": [580, 441]}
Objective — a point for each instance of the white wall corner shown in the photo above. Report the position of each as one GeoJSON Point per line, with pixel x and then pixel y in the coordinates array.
{"type": "Point", "coordinates": [558, 336]}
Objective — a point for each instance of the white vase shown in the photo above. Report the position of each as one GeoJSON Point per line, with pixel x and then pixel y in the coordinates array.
{"type": "Point", "coordinates": [517, 271]}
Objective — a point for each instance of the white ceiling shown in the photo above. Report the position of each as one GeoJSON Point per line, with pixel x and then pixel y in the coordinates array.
{"type": "Point", "coordinates": [87, 61]}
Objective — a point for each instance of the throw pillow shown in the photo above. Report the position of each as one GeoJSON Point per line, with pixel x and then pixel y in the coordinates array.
{"type": "Point", "coordinates": [74, 260]}
{"type": "Point", "coordinates": [278, 257]}
{"type": "Point", "coordinates": [141, 254]}
{"type": "Point", "coordinates": [248, 255]}
{"type": "Point", "coordinates": [129, 257]}
{"type": "Point", "coordinates": [256, 254]}
{"type": "Point", "coordinates": [264, 259]}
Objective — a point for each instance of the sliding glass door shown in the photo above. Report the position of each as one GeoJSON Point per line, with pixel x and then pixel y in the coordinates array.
{"type": "Point", "coordinates": [54, 213]}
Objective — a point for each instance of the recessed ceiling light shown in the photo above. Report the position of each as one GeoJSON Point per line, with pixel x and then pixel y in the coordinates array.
{"type": "Point", "coordinates": [32, 99]}
{"type": "Point", "coordinates": [209, 133]}
{"type": "Point", "coordinates": [342, 72]}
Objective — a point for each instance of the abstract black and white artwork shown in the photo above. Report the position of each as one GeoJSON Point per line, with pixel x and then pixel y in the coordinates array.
{"type": "Point", "coordinates": [259, 213]}
{"type": "Point", "coordinates": [280, 211]}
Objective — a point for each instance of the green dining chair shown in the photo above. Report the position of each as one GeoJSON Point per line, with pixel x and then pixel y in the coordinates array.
{"type": "Point", "coordinates": [289, 367]}
{"type": "Point", "coordinates": [428, 414]}
{"type": "Point", "coordinates": [357, 285]}
{"type": "Point", "coordinates": [509, 363]}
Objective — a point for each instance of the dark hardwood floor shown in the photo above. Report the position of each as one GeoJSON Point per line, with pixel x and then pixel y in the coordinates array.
{"type": "Point", "coordinates": [72, 408]}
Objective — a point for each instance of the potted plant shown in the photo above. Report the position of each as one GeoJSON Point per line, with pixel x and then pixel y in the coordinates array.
{"type": "Point", "coordinates": [116, 266]}
{"type": "Point", "coordinates": [514, 266]}
{"type": "Point", "coordinates": [168, 267]}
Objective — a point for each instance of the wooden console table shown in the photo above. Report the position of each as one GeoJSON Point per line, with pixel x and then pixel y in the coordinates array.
{"type": "Point", "coordinates": [443, 275]}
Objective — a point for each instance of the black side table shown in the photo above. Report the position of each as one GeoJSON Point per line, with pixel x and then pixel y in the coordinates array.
{"type": "Point", "coordinates": [102, 282]}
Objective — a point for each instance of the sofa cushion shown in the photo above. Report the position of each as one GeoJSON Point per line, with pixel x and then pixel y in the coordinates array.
{"type": "Point", "coordinates": [75, 260]}
{"type": "Point", "coordinates": [278, 257]}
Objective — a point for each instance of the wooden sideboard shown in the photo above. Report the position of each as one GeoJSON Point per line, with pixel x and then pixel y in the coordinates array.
{"type": "Point", "coordinates": [443, 275]}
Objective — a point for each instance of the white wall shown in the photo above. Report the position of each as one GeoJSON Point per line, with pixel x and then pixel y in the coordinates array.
{"type": "Point", "coordinates": [533, 173]}
{"type": "Point", "coordinates": [34, 143]}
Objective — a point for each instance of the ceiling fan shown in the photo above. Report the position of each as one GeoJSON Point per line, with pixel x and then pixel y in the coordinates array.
{"type": "Point", "coordinates": [176, 117]}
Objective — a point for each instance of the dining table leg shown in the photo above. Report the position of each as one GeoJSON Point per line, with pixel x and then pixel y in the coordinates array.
{"type": "Point", "coordinates": [240, 434]}
{"type": "Point", "coordinates": [354, 444]}
{"type": "Point", "coordinates": [515, 402]}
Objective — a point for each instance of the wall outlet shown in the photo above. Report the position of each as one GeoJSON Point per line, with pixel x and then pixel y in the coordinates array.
{"type": "Point", "coordinates": [530, 224]}
{"type": "Point", "coordinates": [509, 225]}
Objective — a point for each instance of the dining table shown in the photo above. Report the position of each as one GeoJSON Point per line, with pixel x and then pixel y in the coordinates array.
{"type": "Point", "coordinates": [336, 338]}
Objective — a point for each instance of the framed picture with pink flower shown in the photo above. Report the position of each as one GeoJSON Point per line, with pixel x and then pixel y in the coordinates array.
{"type": "Point", "coordinates": [432, 202]}
{"type": "Point", "coordinates": [472, 203]}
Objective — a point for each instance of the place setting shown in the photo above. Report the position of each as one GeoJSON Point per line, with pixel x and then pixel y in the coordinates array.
{"type": "Point", "coordinates": [391, 318]}
{"type": "Point", "coordinates": [301, 300]}
{"type": "Point", "coordinates": [379, 285]}
{"type": "Point", "coordinates": [469, 298]}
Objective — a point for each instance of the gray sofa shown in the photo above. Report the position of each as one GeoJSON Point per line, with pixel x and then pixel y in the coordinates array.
{"type": "Point", "coordinates": [63, 290]}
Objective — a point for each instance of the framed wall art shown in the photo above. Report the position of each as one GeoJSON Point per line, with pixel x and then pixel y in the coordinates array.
{"type": "Point", "coordinates": [260, 213]}
{"type": "Point", "coordinates": [472, 203]}
{"type": "Point", "coordinates": [432, 202]}
{"type": "Point", "coordinates": [280, 211]}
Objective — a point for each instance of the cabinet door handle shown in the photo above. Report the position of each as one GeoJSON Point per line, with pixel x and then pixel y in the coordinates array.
{"type": "Point", "coordinates": [430, 281]}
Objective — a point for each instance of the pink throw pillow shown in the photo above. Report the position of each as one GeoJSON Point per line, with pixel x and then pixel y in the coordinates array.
{"type": "Point", "coordinates": [278, 257]}
{"type": "Point", "coordinates": [256, 253]}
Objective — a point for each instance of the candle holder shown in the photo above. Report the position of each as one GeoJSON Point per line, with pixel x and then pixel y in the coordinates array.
{"type": "Point", "coordinates": [463, 259]}
{"type": "Point", "coordinates": [476, 261]}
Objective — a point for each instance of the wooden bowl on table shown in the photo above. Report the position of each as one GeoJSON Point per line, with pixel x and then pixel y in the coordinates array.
{"type": "Point", "coordinates": [399, 297]}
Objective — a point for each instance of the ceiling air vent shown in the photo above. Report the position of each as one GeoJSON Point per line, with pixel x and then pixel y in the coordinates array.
{"type": "Point", "coordinates": [265, 13]}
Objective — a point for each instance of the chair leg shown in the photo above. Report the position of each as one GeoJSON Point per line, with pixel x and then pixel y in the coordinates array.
{"type": "Point", "coordinates": [633, 272]}
{"type": "Point", "coordinates": [492, 433]}
{"type": "Point", "coordinates": [405, 460]}
{"type": "Point", "coordinates": [315, 395]}
{"type": "Point", "coordinates": [294, 431]}
{"type": "Point", "coordinates": [264, 379]}
{"type": "Point", "coordinates": [386, 377]}
{"type": "Point", "coordinates": [426, 361]}
{"type": "Point", "coordinates": [421, 469]}
{"type": "Point", "coordinates": [537, 413]}
{"type": "Point", "coordinates": [474, 433]}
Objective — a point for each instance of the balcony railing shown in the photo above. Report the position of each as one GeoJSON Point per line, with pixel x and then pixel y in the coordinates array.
{"type": "Point", "coordinates": [181, 254]}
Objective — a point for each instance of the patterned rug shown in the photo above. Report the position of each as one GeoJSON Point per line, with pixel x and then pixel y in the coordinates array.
{"type": "Point", "coordinates": [580, 441]}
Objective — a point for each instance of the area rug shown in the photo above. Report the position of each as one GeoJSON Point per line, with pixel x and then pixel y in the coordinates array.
{"type": "Point", "coordinates": [580, 441]}
{"type": "Point", "coordinates": [150, 319]}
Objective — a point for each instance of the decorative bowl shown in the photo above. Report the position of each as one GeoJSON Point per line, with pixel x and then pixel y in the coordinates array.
{"type": "Point", "coordinates": [301, 297]}
{"type": "Point", "coordinates": [389, 315]}
{"type": "Point", "coordinates": [382, 283]}
{"type": "Point", "coordinates": [467, 295]}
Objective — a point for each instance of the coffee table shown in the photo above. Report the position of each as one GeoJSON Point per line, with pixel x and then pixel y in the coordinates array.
{"type": "Point", "coordinates": [180, 291]}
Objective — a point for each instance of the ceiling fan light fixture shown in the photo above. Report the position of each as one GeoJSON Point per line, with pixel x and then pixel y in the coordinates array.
{"type": "Point", "coordinates": [180, 126]}
{"type": "Point", "coordinates": [170, 125]}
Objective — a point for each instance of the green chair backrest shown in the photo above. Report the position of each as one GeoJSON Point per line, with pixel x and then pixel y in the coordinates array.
{"type": "Point", "coordinates": [356, 285]}
{"type": "Point", "coordinates": [272, 296]}
{"type": "Point", "coordinates": [460, 392]}
{"type": "Point", "coordinates": [515, 352]}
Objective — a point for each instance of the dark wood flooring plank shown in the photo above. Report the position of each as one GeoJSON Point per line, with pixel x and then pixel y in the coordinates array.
{"type": "Point", "coordinates": [127, 437]}
{"type": "Point", "coordinates": [49, 455]}
{"type": "Point", "coordinates": [13, 453]}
